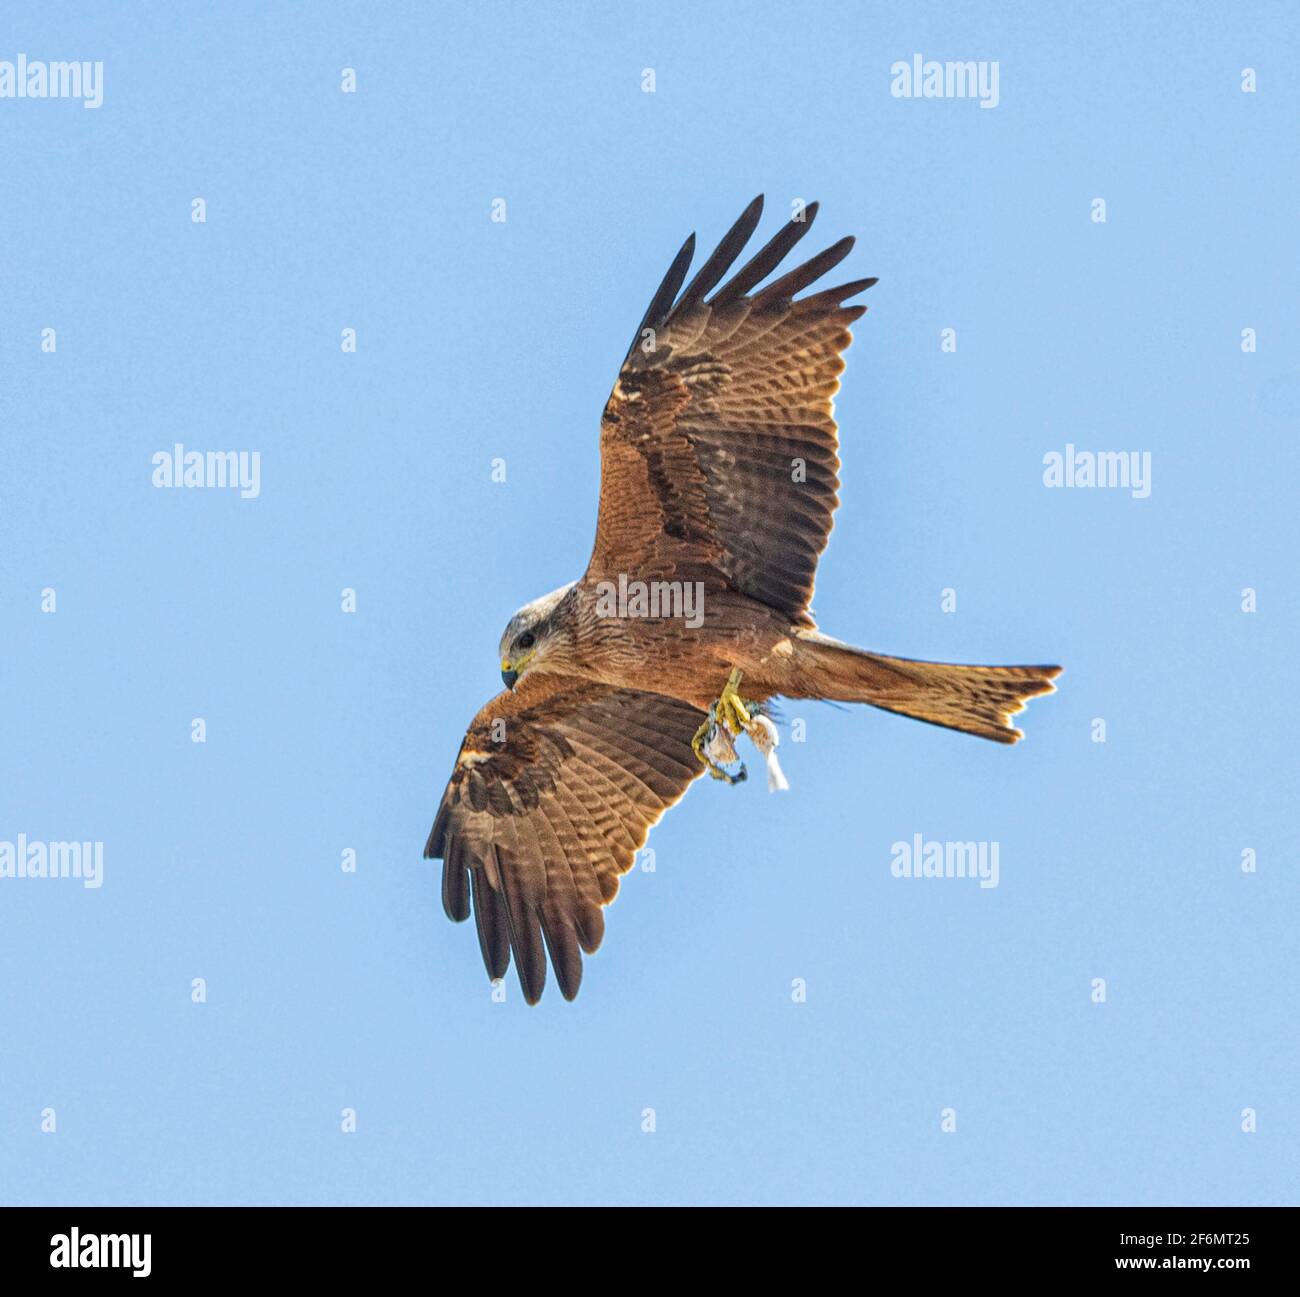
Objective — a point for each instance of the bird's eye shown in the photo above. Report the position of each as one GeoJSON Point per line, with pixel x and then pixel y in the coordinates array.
{"type": "Point", "coordinates": [526, 640]}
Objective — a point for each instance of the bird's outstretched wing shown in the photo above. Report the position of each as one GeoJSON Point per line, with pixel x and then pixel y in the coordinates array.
{"type": "Point", "coordinates": [718, 443]}
{"type": "Point", "coordinates": [556, 786]}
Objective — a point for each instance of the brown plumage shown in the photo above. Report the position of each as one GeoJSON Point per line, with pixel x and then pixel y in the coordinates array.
{"type": "Point", "coordinates": [719, 472]}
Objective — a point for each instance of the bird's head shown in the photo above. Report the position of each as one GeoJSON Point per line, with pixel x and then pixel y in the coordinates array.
{"type": "Point", "coordinates": [537, 637]}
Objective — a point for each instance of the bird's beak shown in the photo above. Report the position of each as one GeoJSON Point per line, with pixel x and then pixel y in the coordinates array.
{"type": "Point", "coordinates": [511, 671]}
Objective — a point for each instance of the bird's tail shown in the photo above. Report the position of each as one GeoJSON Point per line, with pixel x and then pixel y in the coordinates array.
{"type": "Point", "coordinates": [974, 699]}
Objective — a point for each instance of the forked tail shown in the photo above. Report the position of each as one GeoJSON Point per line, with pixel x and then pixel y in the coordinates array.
{"type": "Point", "coordinates": [974, 699]}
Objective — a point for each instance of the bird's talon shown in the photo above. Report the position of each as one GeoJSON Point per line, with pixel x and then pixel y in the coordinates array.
{"type": "Point", "coordinates": [728, 718]}
{"type": "Point", "coordinates": [731, 708]}
{"type": "Point", "coordinates": [713, 746]}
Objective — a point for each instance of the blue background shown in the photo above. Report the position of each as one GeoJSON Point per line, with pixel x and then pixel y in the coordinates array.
{"type": "Point", "coordinates": [478, 340]}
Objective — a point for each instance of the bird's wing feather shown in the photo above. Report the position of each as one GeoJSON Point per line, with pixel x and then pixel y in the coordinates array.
{"type": "Point", "coordinates": [555, 788]}
{"type": "Point", "coordinates": [719, 451]}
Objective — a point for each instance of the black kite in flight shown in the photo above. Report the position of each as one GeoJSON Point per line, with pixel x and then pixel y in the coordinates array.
{"type": "Point", "coordinates": [719, 471]}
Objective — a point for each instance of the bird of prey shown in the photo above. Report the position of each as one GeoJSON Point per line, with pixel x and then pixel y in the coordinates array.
{"type": "Point", "coordinates": [719, 472]}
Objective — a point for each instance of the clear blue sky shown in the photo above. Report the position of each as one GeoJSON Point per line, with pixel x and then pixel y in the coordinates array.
{"type": "Point", "coordinates": [325, 731]}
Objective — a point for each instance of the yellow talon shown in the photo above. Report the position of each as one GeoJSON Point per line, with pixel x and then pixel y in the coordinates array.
{"type": "Point", "coordinates": [727, 719]}
{"type": "Point", "coordinates": [707, 731]}
{"type": "Point", "coordinates": [732, 711]}
{"type": "Point", "coordinates": [697, 744]}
